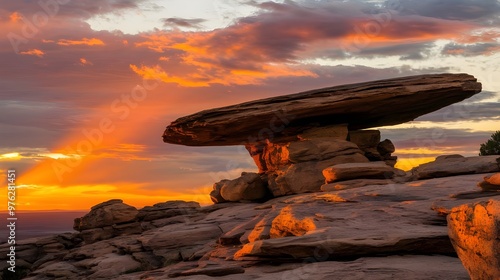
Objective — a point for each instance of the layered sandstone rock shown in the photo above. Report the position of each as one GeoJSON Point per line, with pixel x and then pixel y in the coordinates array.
{"type": "Point", "coordinates": [296, 167]}
{"type": "Point", "coordinates": [270, 157]}
{"type": "Point", "coordinates": [106, 214]}
{"type": "Point", "coordinates": [283, 118]}
{"type": "Point", "coordinates": [350, 171]}
{"type": "Point", "coordinates": [108, 219]}
{"type": "Point", "coordinates": [167, 209]}
{"type": "Point", "coordinates": [451, 165]}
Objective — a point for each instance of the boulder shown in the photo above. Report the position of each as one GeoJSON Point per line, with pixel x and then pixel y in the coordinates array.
{"type": "Point", "coordinates": [493, 179]}
{"type": "Point", "coordinates": [247, 187]}
{"type": "Point", "coordinates": [363, 105]}
{"type": "Point", "coordinates": [386, 147]}
{"type": "Point", "coordinates": [474, 231]}
{"type": "Point", "coordinates": [106, 214]}
{"type": "Point", "coordinates": [167, 209]}
{"type": "Point", "coordinates": [215, 195]}
{"type": "Point", "coordinates": [391, 160]}
{"type": "Point", "coordinates": [349, 171]}
{"type": "Point", "coordinates": [453, 165]}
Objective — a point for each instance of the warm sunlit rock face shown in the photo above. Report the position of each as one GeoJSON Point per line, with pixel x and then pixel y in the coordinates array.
{"type": "Point", "coordinates": [297, 167]}
{"type": "Point", "coordinates": [491, 183]}
{"type": "Point", "coordinates": [360, 106]}
{"type": "Point", "coordinates": [475, 233]}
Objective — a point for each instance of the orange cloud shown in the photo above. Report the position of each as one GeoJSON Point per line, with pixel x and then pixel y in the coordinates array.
{"type": "Point", "coordinates": [84, 62]}
{"type": "Point", "coordinates": [84, 41]}
{"type": "Point", "coordinates": [479, 37]}
{"type": "Point", "coordinates": [15, 17]}
{"type": "Point", "coordinates": [269, 44]}
{"type": "Point", "coordinates": [159, 42]}
{"type": "Point", "coordinates": [36, 52]}
{"type": "Point", "coordinates": [221, 76]}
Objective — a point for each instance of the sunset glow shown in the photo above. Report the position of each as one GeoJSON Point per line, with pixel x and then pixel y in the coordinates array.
{"type": "Point", "coordinates": [84, 102]}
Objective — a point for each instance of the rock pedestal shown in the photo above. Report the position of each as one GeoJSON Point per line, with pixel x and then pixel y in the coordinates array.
{"type": "Point", "coordinates": [297, 166]}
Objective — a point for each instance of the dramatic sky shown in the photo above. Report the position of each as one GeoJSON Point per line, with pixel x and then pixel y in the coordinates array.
{"type": "Point", "coordinates": [88, 86]}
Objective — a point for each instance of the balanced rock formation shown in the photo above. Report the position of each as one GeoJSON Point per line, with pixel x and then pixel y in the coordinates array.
{"type": "Point", "coordinates": [475, 233]}
{"type": "Point", "coordinates": [293, 138]}
{"type": "Point", "coordinates": [360, 106]}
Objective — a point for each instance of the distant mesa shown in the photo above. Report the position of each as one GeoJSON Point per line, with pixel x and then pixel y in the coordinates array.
{"type": "Point", "coordinates": [360, 106]}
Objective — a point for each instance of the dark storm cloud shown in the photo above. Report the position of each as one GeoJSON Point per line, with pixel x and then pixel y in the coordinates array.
{"type": "Point", "coordinates": [83, 9]}
{"type": "Point", "coordinates": [413, 51]}
{"type": "Point", "coordinates": [183, 22]}
{"type": "Point", "coordinates": [471, 49]}
{"type": "Point", "coordinates": [465, 112]}
{"type": "Point", "coordinates": [452, 9]}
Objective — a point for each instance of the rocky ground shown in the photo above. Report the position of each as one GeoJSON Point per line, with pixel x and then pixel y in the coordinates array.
{"type": "Point", "coordinates": [391, 231]}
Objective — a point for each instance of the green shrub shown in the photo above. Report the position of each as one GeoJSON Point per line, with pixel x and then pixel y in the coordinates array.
{"type": "Point", "coordinates": [492, 146]}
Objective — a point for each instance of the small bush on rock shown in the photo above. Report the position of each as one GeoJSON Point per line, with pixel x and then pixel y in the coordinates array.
{"type": "Point", "coordinates": [492, 146]}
